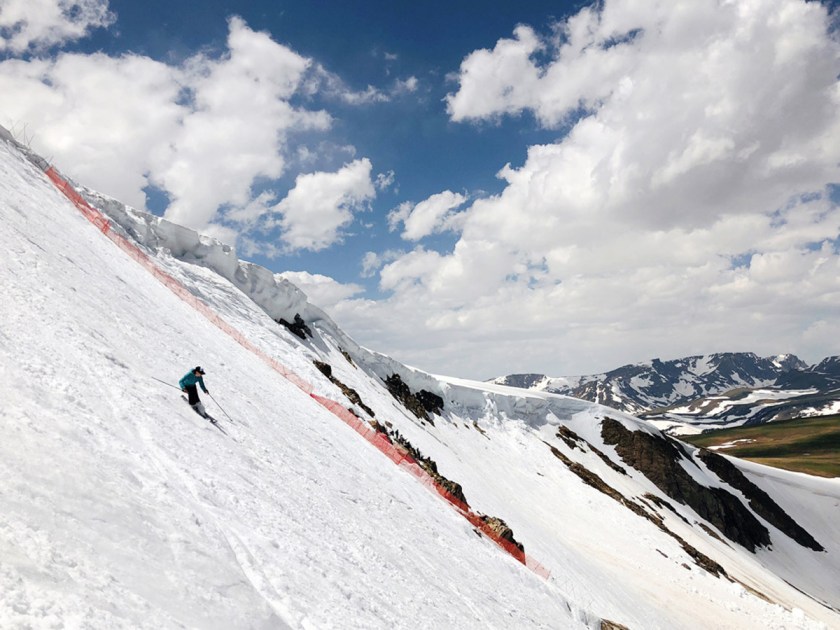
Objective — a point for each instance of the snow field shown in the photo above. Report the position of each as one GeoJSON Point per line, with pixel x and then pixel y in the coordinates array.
{"type": "Point", "coordinates": [125, 509]}
{"type": "Point", "coordinates": [122, 508]}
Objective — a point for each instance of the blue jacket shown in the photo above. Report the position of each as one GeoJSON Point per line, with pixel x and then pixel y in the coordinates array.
{"type": "Point", "coordinates": [191, 379]}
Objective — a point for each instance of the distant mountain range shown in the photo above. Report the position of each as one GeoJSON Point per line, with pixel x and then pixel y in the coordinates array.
{"type": "Point", "coordinates": [724, 389]}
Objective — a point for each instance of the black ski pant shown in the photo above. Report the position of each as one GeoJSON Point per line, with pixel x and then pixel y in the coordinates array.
{"type": "Point", "coordinates": [192, 394]}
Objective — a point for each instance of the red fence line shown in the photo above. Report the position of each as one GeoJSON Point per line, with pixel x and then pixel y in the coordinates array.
{"type": "Point", "coordinates": [379, 440]}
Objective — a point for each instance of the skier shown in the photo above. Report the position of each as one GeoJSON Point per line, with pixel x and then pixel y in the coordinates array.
{"type": "Point", "coordinates": [188, 385]}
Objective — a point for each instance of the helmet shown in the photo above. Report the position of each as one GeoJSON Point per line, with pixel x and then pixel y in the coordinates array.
{"type": "Point", "coordinates": [199, 370]}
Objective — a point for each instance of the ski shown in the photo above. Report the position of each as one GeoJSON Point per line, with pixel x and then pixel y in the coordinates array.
{"type": "Point", "coordinates": [205, 415]}
{"type": "Point", "coordinates": [215, 423]}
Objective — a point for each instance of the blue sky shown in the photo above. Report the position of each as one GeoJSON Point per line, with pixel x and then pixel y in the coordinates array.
{"type": "Point", "coordinates": [372, 44]}
{"type": "Point", "coordinates": [473, 188]}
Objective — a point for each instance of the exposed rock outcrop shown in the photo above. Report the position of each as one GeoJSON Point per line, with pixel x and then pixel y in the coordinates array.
{"type": "Point", "coordinates": [501, 529]}
{"type": "Point", "coordinates": [421, 404]}
{"type": "Point", "coordinates": [760, 501]}
{"type": "Point", "coordinates": [298, 327]}
{"type": "Point", "coordinates": [573, 441]}
{"type": "Point", "coordinates": [660, 460]}
{"type": "Point", "coordinates": [426, 463]}
{"type": "Point", "coordinates": [351, 394]}
{"type": "Point", "coordinates": [494, 523]}
{"type": "Point", "coordinates": [347, 356]}
{"type": "Point", "coordinates": [591, 479]}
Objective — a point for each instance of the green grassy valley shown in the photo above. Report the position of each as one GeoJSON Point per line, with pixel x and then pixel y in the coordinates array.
{"type": "Point", "coordinates": [809, 445]}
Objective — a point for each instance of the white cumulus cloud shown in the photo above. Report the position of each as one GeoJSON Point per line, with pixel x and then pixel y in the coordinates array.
{"type": "Point", "coordinates": [686, 206]}
{"type": "Point", "coordinates": [202, 131]}
{"type": "Point", "coordinates": [323, 291]}
{"type": "Point", "coordinates": [431, 215]}
{"type": "Point", "coordinates": [236, 129]}
{"type": "Point", "coordinates": [32, 25]}
{"type": "Point", "coordinates": [314, 212]}
{"type": "Point", "coordinates": [76, 111]}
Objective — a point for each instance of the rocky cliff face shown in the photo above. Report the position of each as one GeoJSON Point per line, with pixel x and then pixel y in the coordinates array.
{"type": "Point", "coordinates": [761, 503]}
{"type": "Point", "coordinates": [665, 462]}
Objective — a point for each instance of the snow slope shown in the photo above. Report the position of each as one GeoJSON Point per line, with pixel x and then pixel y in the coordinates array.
{"type": "Point", "coordinates": [119, 507]}
{"type": "Point", "coordinates": [122, 508]}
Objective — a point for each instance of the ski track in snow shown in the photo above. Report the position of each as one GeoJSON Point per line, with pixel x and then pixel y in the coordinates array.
{"type": "Point", "coordinates": [121, 508]}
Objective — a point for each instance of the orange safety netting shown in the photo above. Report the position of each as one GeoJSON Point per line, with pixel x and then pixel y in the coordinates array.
{"type": "Point", "coordinates": [400, 456]}
{"type": "Point", "coordinates": [381, 441]}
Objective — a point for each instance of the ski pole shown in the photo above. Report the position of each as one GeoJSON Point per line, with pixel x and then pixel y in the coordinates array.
{"type": "Point", "coordinates": [219, 406]}
{"type": "Point", "coordinates": [165, 383]}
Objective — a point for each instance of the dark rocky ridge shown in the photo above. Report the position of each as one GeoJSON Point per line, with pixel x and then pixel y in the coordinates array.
{"type": "Point", "coordinates": [760, 501]}
{"type": "Point", "coordinates": [351, 394]}
{"type": "Point", "coordinates": [524, 381]}
{"type": "Point", "coordinates": [298, 327]}
{"type": "Point", "coordinates": [658, 458]}
{"type": "Point", "coordinates": [494, 523]}
{"type": "Point", "coordinates": [593, 480]}
{"type": "Point", "coordinates": [574, 441]}
{"type": "Point", "coordinates": [421, 404]}
{"type": "Point", "coordinates": [426, 463]}
{"type": "Point", "coordinates": [823, 376]}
